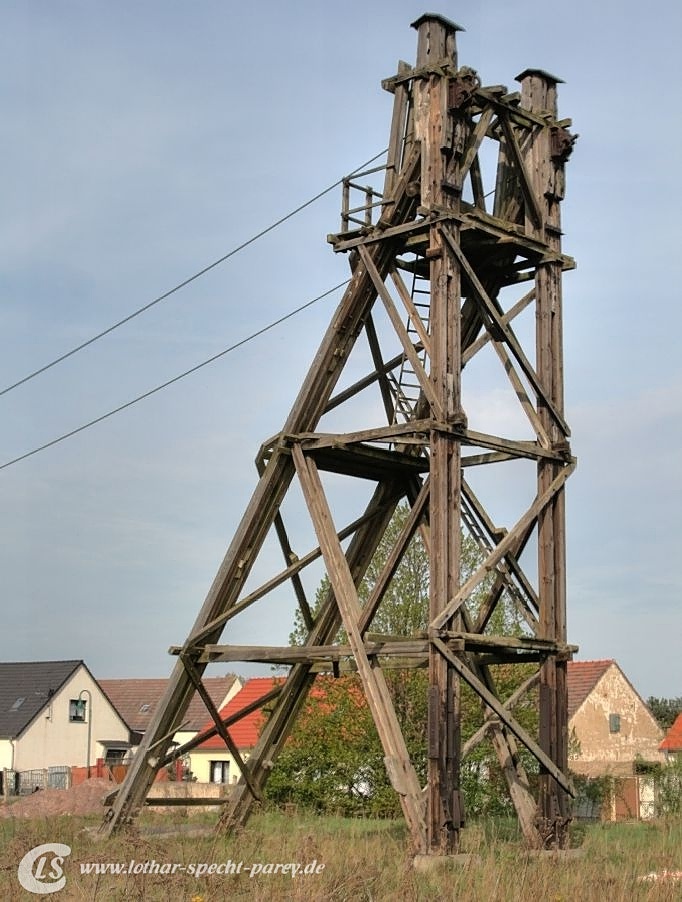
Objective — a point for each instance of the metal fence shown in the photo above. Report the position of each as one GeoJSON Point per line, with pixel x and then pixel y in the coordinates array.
{"type": "Point", "coordinates": [25, 782]}
{"type": "Point", "coordinates": [59, 777]}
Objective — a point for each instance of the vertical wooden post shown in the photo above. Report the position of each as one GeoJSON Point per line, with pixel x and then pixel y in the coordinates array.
{"type": "Point", "coordinates": [436, 44]}
{"type": "Point", "coordinates": [538, 92]}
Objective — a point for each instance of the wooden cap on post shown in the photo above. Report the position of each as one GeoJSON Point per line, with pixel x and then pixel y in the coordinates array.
{"type": "Point", "coordinates": [539, 73]}
{"type": "Point", "coordinates": [538, 90]}
{"type": "Point", "coordinates": [436, 39]}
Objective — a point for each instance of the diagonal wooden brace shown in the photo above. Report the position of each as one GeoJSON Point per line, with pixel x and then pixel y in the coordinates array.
{"type": "Point", "coordinates": [220, 726]}
{"type": "Point", "coordinates": [507, 543]}
{"type": "Point", "coordinates": [493, 702]}
{"type": "Point", "coordinates": [400, 769]}
{"type": "Point", "coordinates": [505, 330]}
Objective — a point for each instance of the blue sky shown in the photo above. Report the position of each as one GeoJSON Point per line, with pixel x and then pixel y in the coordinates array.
{"type": "Point", "coordinates": [142, 141]}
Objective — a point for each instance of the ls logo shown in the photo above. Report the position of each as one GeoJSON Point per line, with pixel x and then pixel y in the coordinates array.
{"type": "Point", "coordinates": [40, 870]}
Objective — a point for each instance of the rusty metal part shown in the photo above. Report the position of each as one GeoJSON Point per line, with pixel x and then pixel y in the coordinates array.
{"type": "Point", "coordinates": [562, 142]}
{"type": "Point", "coordinates": [462, 87]}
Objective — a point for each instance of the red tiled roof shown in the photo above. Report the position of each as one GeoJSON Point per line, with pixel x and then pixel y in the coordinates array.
{"type": "Point", "coordinates": [673, 738]}
{"type": "Point", "coordinates": [245, 731]}
{"type": "Point", "coordinates": [581, 678]}
{"type": "Point", "coordinates": [136, 700]}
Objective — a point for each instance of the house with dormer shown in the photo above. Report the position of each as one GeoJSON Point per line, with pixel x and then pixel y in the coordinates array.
{"type": "Point", "coordinates": [138, 699]}
{"type": "Point", "coordinates": [54, 714]}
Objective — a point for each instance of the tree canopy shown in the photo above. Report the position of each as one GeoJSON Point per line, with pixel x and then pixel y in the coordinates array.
{"type": "Point", "coordinates": [665, 710]}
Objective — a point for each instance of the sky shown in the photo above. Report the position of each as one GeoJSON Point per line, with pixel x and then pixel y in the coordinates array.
{"type": "Point", "coordinates": [141, 142]}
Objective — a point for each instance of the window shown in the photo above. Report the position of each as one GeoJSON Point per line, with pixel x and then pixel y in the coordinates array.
{"type": "Point", "coordinates": [220, 771]}
{"type": "Point", "coordinates": [614, 723]}
{"type": "Point", "coordinates": [145, 709]}
{"type": "Point", "coordinates": [77, 710]}
{"type": "Point", "coordinates": [114, 756]}
{"type": "Point", "coordinates": [18, 703]}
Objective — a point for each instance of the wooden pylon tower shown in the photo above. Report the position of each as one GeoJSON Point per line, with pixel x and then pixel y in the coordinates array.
{"type": "Point", "coordinates": [463, 259]}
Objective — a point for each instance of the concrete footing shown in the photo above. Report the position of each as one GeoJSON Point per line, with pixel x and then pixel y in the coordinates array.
{"type": "Point", "coordinates": [425, 863]}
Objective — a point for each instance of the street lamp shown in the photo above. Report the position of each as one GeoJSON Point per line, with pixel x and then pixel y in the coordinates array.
{"type": "Point", "coordinates": [89, 714]}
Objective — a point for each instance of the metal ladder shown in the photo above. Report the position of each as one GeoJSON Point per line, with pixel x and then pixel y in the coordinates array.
{"type": "Point", "coordinates": [482, 539]}
{"type": "Point", "coordinates": [405, 387]}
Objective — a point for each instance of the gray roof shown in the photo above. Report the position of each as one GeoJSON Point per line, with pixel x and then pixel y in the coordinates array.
{"type": "Point", "coordinates": [25, 689]}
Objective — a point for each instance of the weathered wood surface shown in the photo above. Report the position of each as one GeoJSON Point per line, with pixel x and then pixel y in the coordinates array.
{"type": "Point", "coordinates": [539, 94]}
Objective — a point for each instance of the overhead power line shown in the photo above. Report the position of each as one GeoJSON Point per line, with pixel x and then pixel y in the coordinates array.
{"type": "Point", "coordinates": [158, 388]}
{"type": "Point", "coordinates": [188, 281]}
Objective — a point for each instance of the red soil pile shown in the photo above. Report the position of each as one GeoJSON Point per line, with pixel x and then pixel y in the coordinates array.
{"type": "Point", "coordinates": [83, 799]}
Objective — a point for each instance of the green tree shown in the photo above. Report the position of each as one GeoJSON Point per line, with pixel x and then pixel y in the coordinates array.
{"type": "Point", "coordinates": [333, 760]}
{"type": "Point", "coordinates": [669, 786]}
{"type": "Point", "coordinates": [665, 710]}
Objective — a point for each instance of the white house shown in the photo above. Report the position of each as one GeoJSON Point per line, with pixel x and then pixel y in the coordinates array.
{"type": "Point", "coordinates": [54, 713]}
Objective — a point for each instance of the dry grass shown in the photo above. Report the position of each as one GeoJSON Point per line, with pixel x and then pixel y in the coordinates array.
{"type": "Point", "coordinates": [364, 860]}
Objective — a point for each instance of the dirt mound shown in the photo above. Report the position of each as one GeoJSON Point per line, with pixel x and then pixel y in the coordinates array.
{"type": "Point", "coordinates": [85, 798]}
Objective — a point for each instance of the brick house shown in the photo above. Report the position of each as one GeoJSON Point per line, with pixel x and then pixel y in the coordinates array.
{"type": "Point", "coordinates": [613, 734]}
{"type": "Point", "coordinates": [611, 729]}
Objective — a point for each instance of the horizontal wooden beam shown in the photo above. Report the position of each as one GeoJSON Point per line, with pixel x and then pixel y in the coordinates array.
{"type": "Point", "coordinates": [304, 654]}
{"type": "Point", "coordinates": [190, 801]}
{"type": "Point", "coordinates": [478, 641]}
{"type": "Point", "coordinates": [378, 234]}
{"type": "Point", "coordinates": [393, 647]}
{"type": "Point", "coordinates": [494, 457]}
{"type": "Point", "coordinates": [418, 429]}
{"type": "Point", "coordinates": [504, 103]}
{"type": "Point", "coordinates": [529, 450]}
{"type": "Point", "coordinates": [314, 440]}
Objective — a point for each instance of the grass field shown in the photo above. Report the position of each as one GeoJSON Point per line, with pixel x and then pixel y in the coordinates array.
{"type": "Point", "coordinates": [363, 860]}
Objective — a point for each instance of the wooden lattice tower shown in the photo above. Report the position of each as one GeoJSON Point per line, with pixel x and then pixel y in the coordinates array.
{"type": "Point", "coordinates": [451, 263]}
